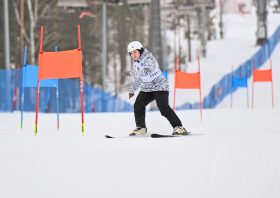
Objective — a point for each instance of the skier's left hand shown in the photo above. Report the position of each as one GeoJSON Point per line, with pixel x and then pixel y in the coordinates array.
{"type": "Point", "coordinates": [130, 95]}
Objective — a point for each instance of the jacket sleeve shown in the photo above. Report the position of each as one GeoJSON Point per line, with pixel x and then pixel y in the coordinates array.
{"type": "Point", "coordinates": [135, 85]}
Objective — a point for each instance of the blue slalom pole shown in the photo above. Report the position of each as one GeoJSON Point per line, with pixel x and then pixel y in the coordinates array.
{"type": "Point", "coordinates": [247, 89]}
{"type": "Point", "coordinates": [23, 84]}
{"type": "Point", "coordinates": [231, 88]}
{"type": "Point", "coordinates": [166, 69]}
{"type": "Point", "coordinates": [57, 99]}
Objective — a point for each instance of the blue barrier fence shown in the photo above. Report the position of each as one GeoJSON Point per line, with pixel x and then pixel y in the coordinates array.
{"type": "Point", "coordinates": [223, 87]}
{"type": "Point", "coordinates": [95, 99]}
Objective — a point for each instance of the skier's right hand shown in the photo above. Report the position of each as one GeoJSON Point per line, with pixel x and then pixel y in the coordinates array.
{"type": "Point", "coordinates": [126, 73]}
{"type": "Point", "coordinates": [130, 95]}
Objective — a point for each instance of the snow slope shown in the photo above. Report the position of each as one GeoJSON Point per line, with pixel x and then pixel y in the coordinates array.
{"type": "Point", "coordinates": [238, 45]}
{"type": "Point", "coordinates": [233, 153]}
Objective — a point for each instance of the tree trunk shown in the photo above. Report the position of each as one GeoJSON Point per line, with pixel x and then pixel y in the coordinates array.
{"type": "Point", "coordinates": [156, 44]}
{"type": "Point", "coordinates": [122, 41]}
{"type": "Point", "coordinates": [33, 20]}
{"type": "Point", "coordinates": [189, 37]}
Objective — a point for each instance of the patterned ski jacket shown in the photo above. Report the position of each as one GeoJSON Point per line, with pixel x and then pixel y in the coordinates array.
{"type": "Point", "coordinates": [147, 74]}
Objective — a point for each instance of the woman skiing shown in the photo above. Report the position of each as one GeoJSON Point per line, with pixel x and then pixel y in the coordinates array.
{"type": "Point", "coordinates": [154, 86]}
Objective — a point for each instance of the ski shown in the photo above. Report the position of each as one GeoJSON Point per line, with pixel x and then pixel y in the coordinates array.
{"type": "Point", "coordinates": [108, 136]}
{"type": "Point", "coordinates": [155, 135]}
{"type": "Point", "coordinates": [128, 136]}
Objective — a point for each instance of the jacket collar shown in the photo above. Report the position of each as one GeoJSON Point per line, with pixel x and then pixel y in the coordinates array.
{"type": "Point", "coordinates": [143, 56]}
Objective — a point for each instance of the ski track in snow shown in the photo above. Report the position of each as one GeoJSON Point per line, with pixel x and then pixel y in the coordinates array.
{"type": "Point", "coordinates": [214, 170]}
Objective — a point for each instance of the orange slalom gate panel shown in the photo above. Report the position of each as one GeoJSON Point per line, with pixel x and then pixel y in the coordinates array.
{"type": "Point", "coordinates": [262, 75]}
{"type": "Point", "coordinates": [187, 80]}
{"type": "Point", "coordinates": [63, 64]}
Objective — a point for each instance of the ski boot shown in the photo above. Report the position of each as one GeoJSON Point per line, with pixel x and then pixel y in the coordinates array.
{"type": "Point", "coordinates": [139, 131]}
{"type": "Point", "coordinates": [179, 130]}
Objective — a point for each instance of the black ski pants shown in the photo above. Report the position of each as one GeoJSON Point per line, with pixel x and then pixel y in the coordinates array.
{"type": "Point", "coordinates": [161, 97]}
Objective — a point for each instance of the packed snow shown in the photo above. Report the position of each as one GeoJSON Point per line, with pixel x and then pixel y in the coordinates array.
{"type": "Point", "coordinates": [232, 153]}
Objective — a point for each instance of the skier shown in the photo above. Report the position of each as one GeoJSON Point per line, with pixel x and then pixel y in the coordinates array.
{"type": "Point", "coordinates": [154, 86]}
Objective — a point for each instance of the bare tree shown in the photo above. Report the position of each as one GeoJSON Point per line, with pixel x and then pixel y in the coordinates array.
{"type": "Point", "coordinates": [37, 10]}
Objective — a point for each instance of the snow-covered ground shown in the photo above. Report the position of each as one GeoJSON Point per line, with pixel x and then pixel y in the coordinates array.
{"type": "Point", "coordinates": [233, 153]}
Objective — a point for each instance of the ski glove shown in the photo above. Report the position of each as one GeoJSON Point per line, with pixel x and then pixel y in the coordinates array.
{"type": "Point", "coordinates": [126, 73]}
{"type": "Point", "coordinates": [130, 95]}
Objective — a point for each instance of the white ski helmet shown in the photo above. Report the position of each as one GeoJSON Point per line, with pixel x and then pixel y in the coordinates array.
{"type": "Point", "coordinates": [133, 46]}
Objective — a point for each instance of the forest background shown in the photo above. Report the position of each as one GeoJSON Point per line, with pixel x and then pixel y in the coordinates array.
{"type": "Point", "coordinates": [125, 23]}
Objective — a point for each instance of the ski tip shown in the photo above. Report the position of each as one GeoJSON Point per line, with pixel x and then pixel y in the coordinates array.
{"type": "Point", "coordinates": [108, 136]}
